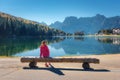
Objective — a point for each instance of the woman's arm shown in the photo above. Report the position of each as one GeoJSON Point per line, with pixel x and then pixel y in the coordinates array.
{"type": "Point", "coordinates": [41, 53]}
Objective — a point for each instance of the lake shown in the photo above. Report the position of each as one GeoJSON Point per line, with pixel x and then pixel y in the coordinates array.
{"type": "Point", "coordinates": [60, 46]}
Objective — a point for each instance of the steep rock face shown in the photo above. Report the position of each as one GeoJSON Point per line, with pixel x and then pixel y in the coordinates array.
{"type": "Point", "coordinates": [16, 26]}
{"type": "Point", "coordinates": [56, 25]}
{"type": "Point", "coordinates": [112, 22]}
{"type": "Point", "coordinates": [88, 25]}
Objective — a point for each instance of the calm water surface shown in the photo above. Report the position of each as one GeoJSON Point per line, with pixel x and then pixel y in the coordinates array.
{"type": "Point", "coordinates": [60, 46]}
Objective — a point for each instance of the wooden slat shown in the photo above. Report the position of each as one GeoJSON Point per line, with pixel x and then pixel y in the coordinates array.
{"type": "Point", "coordinates": [75, 60]}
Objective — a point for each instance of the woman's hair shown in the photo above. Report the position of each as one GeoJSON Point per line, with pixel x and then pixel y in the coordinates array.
{"type": "Point", "coordinates": [44, 42]}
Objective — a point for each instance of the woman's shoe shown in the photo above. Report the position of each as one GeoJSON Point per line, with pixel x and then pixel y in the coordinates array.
{"type": "Point", "coordinates": [46, 65]}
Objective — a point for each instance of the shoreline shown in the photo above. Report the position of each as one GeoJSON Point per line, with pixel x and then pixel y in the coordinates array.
{"type": "Point", "coordinates": [90, 55]}
{"type": "Point", "coordinates": [66, 56]}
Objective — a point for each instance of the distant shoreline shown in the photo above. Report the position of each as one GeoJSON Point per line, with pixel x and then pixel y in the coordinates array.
{"type": "Point", "coordinates": [87, 35]}
{"type": "Point", "coordinates": [104, 35]}
{"type": "Point", "coordinates": [90, 35]}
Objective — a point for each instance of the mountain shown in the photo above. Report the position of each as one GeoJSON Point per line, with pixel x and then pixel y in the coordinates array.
{"type": "Point", "coordinates": [89, 25]}
{"type": "Point", "coordinates": [43, 23]}
{"type": "Point", "coordinates": [56, 25]}
{"type": "Point", "coordinates": [17, 26]}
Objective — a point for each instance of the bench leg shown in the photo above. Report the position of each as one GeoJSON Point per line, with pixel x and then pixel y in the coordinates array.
{"type": "Point", "coordinates": [32, 64]}
{"type": "Point", "coordinates": [86, 65]}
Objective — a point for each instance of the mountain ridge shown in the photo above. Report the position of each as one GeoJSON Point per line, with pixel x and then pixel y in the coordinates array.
{"type": "Point", "coordinates": [89, 25]}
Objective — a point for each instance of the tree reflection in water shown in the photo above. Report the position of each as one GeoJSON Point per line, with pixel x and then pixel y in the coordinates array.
{"type": "Point", "coordinates": [11, 46]}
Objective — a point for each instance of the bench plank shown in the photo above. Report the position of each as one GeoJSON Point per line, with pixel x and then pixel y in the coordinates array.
{"type": "Point", "coordinates": [72, 60]}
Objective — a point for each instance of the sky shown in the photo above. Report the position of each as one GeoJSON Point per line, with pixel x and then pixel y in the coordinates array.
{"type": "Point", "coordinates": [49, 11]}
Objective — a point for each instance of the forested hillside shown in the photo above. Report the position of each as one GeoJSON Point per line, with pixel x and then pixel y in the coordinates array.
{"type": "Point", "coordinates": [17, 26]}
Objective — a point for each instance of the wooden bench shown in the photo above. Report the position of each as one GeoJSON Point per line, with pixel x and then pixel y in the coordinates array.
{"type": "Point", "coordinates": [33, 61]}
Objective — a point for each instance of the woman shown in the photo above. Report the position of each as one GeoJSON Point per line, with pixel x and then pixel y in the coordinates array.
{"type": "Point", "coordinates": [44, 52]}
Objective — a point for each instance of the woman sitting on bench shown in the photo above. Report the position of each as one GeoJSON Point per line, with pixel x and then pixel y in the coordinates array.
{"type": "Point", "coordinates": [44, 52]}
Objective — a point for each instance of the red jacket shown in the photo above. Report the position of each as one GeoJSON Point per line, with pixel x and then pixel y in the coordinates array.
{"type": "Point", "coordinates": [44, 51]}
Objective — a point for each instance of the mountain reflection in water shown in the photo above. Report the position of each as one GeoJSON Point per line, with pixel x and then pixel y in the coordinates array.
{"type": "Point", "coordinates": [60, 46]}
